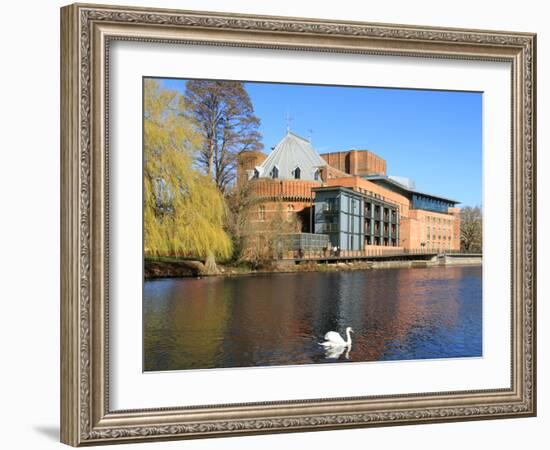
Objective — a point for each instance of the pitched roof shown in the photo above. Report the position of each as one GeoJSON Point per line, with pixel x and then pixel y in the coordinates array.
{"type": "Point", "coordinates": [291, 152]}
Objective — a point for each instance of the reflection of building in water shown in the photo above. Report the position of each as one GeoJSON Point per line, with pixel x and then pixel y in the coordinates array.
{"type": "Point", "coordinates": [417, 299]}
{"type": "Point", "coordinates": [268, 322]}
{"type": "Point", "coordinates": [348, 197]}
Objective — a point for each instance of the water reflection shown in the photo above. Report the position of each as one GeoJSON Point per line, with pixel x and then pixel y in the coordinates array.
{"type": "Point", "coordinates": [278, 319]}
{"type": "Point", "coordinates": [336, 352]}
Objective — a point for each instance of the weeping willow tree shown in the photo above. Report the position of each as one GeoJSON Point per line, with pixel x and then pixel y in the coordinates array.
{"type": "Point", "coordinates": [183, 209]}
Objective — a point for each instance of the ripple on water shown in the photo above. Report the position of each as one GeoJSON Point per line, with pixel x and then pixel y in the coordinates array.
{"type": "Point", "coordinates": [279, 319]}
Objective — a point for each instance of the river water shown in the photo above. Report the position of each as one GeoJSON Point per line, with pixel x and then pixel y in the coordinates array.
{"type": "Point", "coordinates": [279, 319]}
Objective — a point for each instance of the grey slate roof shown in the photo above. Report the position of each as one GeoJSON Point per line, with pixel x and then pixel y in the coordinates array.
{"type": "Point", "coordinates": [291, 152]}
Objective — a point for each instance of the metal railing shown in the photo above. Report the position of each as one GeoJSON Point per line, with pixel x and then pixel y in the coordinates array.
{"type": "Point", "coordinates": [375, 251]}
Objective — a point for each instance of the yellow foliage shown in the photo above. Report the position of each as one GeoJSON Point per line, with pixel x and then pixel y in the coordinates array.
{"type": "Point", "coordinates": [183, 209]}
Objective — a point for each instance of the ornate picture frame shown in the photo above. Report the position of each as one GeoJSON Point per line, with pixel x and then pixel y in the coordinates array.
{"type": "Point", "coordinates": [86, 34]}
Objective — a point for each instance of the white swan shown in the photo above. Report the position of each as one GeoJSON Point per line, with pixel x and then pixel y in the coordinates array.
{"type": "Point", "coordinates": [333, 339]}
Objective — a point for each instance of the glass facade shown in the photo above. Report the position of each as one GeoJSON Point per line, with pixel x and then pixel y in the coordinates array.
{"type": "Point", "coordinates": [419, 201]}
{"type": "Point", "coordinates": [353, 220]}
{"type": "Point", "coordinates": [339, 214]}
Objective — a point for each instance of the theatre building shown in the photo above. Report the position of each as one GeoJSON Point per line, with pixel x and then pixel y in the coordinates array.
{"type": "Point", "coordinates": [347, 199]}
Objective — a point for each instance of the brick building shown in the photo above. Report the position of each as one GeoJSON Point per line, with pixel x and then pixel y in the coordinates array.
{"type": "Point", "coordinates": [349, 197]}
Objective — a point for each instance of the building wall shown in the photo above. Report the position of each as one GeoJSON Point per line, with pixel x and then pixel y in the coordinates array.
{"type": "Point", "coordinates": [264, 212]}
{"type": "Point", "coordinates": [369, 188]}
{"type": "Point", "coordinates": [413, 223]}
{"type": "Point", "coordinates": [248, 161]}
{"type": "Point", "coordinates": [416, 229]}
{"type": "Point", "coordinates": [356, 162]}
{"type": "Point", "coordinates": [432, 231]}
{"type": "Point", "coordinates": [456, 228]}
{"type": "Point", "coordinates": [328, 172]}
{"type": "Point", "coordinates": [283, 189]}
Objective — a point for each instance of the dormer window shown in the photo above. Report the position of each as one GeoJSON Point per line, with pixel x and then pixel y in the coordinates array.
{"type": "Point", "coordinates": [296, 173]}
{"type": "Point", "coordinates": [316, 174]}
{"type": "Point", "coordinates": [275, 172]}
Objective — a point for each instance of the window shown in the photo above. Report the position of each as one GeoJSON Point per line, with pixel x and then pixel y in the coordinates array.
{"type": "Point", "coordinates": [261, 212]}
{"type": "Point", "coordinates": [275, 172]}
{"type": "Point", "coordinates": [316, 175]}
{"type": "Point", "coordinates": [256, 173]}
{"type": "Point", "coordinates": [296, 173]}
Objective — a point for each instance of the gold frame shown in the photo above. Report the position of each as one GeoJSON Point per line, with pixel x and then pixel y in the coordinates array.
{"type": "Point", "coordinates": [86, 31]}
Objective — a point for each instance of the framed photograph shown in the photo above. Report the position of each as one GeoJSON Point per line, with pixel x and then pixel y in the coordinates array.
{"type": "Point", "coordinates": [276, 224]}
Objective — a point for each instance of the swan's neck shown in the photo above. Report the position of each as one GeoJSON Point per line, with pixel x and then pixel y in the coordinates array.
{"type": "Point", "coordinates": [348, 342]}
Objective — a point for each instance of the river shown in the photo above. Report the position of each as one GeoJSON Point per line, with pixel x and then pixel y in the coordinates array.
{"type": "Point", "coordinates": [279, 319]}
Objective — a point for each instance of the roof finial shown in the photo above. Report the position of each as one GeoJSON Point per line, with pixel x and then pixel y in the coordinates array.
{"type": "Point", "coordinates": [289, 119]}
{"type": "Point", "coordinates": [310, 137]}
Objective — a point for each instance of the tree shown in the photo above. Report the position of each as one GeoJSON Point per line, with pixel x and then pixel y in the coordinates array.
{"type": "Point", "coordinates": [471, 229]}
{"type": "Point", "coordinates": [262, 242]}
{"type": "Point", "coordinates": [240, 205]}
{"type": "Point", "coordinates": [183, 209]}
{"type": "Point", "coordinates": [225, 118]}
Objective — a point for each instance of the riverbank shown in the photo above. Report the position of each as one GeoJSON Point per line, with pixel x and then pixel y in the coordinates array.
{"type": "Point", "coordinates": [176, 268]}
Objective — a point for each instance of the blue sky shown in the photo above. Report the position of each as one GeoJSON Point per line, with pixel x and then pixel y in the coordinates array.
{"type": "Point", "coordinates": [432, 137]}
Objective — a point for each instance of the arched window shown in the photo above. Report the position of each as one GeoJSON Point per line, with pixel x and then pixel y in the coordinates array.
{"type": "Point", "coordinates": [275, 172]}
{"type": "Point", "coordinates": [296, 173]}
{"type": "Point", "coordinates": [316, 175]}
{"type": "Point", "coordinates": [256, 173]}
